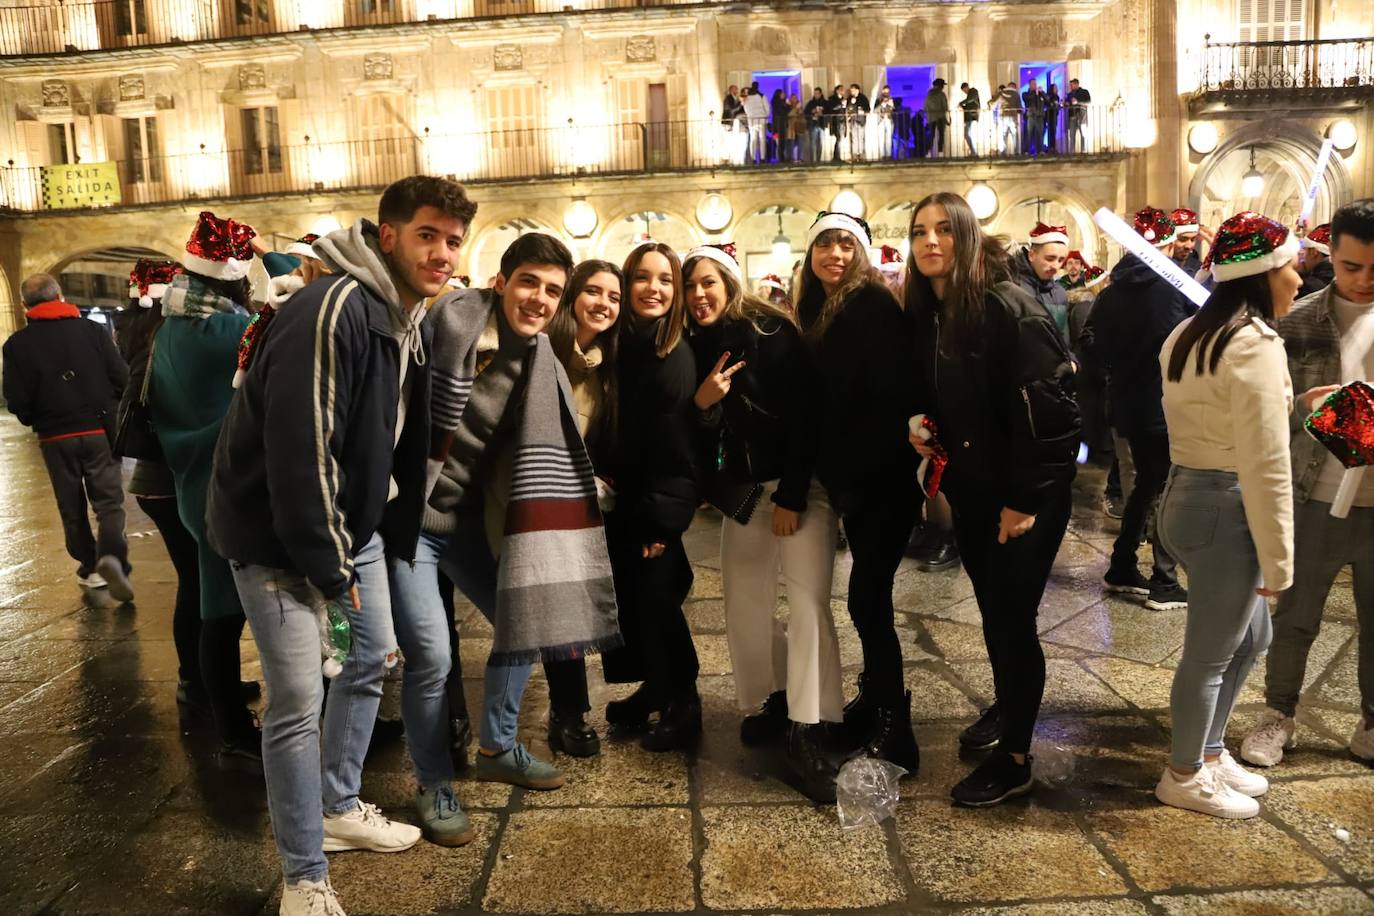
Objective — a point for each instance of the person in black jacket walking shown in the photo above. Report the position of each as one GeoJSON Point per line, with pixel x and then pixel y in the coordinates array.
{"type": "Point", "coordinates": [757, 387]}
{"type": "Point", "coordinates": [868, 390]}
{"type": "Point", "coordinates": [653, 470]}
{"type": "Point", "coordinates": [997, 380]}
{"type": "Point", "coordinates": [1130, 322]}
{"type": "Point", "coordinates": [1034, 267]}
{"type": "Point", "coordinates": [62, 377]}
{"type": "Point", "coordinates": [326, 439]}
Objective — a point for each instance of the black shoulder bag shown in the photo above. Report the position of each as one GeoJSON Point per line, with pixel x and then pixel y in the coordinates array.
{"type": "Point", "coordinates": [135, 435]}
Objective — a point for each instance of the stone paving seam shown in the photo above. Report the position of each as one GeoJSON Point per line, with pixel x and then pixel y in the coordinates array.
{"type": "Point", "coordinates": [695, 802]}
{"type": "Point", "coordinates": [483, 882]}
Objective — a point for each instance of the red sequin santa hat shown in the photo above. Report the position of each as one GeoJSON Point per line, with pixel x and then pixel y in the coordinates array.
{"type": "Point", "coordinates": [149, 280]}
{"type": "Point", "coordinates": [890, 260]}
{"type": "Point", "coordinates": [219, 248]}
{"type": "Point", "coordinates": [1154, 226]}
{"type": "Point", "coordinates": [1320, 239]}
{"type": "Point", "coordinates": [1075, 255]}
{"type": "Point", "coordinates": [1093, 276]}
{"type": "Point", "coordinates": [1248, 244]}
{"type": "Point", "coordinates": [772, 281]}
{"type": "Point", "coordinates": [301, 247]}
{"type": "Point", "coordinates": [1185, 221]}
{"type": "Point", "coordinates": [1043, 234]}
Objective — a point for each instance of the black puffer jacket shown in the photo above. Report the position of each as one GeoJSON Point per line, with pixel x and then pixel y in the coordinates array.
{"type": "Point", "coordinates": [1130, 322]}
{"type": "Point", "coordinates": [1048, 293]}
{"type": "Point", "coordinates": [868, 383]}
{"type": "Point", "coordinates": [653, 465]}
{"type": "Point", "coordinates": [765, 426]}
{"type": "Point", "coordinates": [1007, 415]}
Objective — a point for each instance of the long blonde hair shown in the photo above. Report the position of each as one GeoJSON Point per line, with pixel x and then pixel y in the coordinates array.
{"type": "Point", "coordinates": [675, 322]}
{"type": "Point", "coordinates": [741, 304]}
{"type": "Point", "coordinates": [859, 274]}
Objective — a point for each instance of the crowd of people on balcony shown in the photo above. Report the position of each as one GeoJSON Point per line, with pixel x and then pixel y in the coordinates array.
{"type": "Point", "coordinates": [847, 125]}
{"type": "Point", "coordinates": [326, 471]}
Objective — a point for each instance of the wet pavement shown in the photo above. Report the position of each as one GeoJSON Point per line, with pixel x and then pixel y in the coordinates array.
{"type": "Point", "coordinates": [108, 806]}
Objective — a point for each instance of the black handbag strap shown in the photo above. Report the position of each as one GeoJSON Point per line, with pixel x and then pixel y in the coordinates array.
{"type": "Point", "coordinates": [147, 374]}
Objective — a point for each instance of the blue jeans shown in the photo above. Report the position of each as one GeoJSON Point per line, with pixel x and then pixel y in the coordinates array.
{"type": "Point", "coordinates": [1202, 524]}
{"type": "Point", "coordinates": [280, 606]}
{"type": "Point", "coordinates": [423, 630]}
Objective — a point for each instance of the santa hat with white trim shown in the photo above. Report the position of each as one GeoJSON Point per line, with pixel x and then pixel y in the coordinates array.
{"type": "Point", "coordinates": [219, 248]}
{"type": "Point", "coordinates": [723, 254]}
{"type": "Point", "coordinates": [772, 281]}
{"type": "Point", "coordinates": [149, 280]}
{"type": "Point", "coordinates": [1185, 221]}
{"type": "Point", "coordinates": [1154, 226]}
{"type": "Point", "coordinates": [831, 219]}
{"type": "Point", "coordinates": [1093, 275]}
{"type": "Point", "coordinates": [1248, 244]}
{"type": "Point", "coordinates": [301, 247]}
{"type": "Point", "coordinates": [890, 260]}
{"type": "Point", "coordinates": [1320, 239]}
{"type": "Point", "coordinates": [1043, 234]}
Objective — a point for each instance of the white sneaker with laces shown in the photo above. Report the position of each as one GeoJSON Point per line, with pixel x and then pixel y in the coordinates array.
{"type": "Point", "coordinates": [310, 898]}
{"type": "Point", "coordinates": [1362, 741]}
{"type": "Point", "coordinates": [94, 580]}
{"type": "Point", "coordinates": [1265, 745]}
{"type": "Point", "coordinates": [365, 827]}
{"type": "Point", "coordinates": [1238, 777]}
{"type": "Point", "coordinates": [1204, 793]}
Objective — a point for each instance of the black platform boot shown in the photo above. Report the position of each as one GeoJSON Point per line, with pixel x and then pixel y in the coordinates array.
{"type": "Point", "coordinates": [631, 714]}
{"type": "Point", "coordinates": [892, 737]}
{"type": "Point", "coordinates": [570, 734]}
{"type": "Point", "coordinates": [859, 715]}
{"type": "Point", "coordinates": [813, 768]}
{"type": "Point", "coordinates": [678, 726]}
{"type": "Point", "coordinates": [768, 725]}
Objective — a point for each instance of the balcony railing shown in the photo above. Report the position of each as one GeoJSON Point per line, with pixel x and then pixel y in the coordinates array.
{"type": "Point", "coordinates": [564, 152]}
{"type": "Point", "coordinates": [57, 27]}
{"type": "Point", "coordinates": [1268, 65]}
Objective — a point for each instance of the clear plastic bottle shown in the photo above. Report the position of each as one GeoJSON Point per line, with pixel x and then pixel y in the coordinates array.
{"type": "Point", "coordinates": [336, 637]}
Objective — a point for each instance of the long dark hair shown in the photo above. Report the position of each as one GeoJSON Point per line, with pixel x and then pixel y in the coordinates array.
{"type": "Point", "coordinates": [1230, 307]}
{"type": "Point", "coordinates": [860, 274]}
{"type": "Point", "coordinates": [675, 322]}
{"type": "Point", "coordinates": [562, 332]}
{"type": "Point", "coordinates": [980, 261]}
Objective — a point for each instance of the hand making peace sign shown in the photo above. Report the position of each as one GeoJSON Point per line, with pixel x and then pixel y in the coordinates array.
{"type": "Point", "coordinates": [716, 385]}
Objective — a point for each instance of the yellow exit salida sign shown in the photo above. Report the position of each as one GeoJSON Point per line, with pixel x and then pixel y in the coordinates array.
{"type": "Point", "coordinates": [84, 184]}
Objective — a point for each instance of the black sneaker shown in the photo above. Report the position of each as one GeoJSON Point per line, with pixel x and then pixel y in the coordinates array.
{"type": "Point", "coordinates": [1113, 506]}
{"type": "Point", "coordinates": [242, 751]}
{"type": "Point", "coordinates": [1126, 582]}
{"type": "Point", "coordinates": [944, 555]}
{"type": "Point", "coordinates": [1166, 597]}
{"type": "Point", "coordinates": [768, 725]}
{"type": "Point", "coordinates": [986, 733]}
{"type": "Point", "coordinates": [994, 781]}
{"type": "Point", "coordinates": [192, 700]}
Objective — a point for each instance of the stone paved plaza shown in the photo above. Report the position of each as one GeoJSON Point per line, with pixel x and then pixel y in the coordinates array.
{"type": "Point", "coordinates": [108, 807]}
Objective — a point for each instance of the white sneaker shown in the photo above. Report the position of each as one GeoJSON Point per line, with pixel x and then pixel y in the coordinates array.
{"type": "Point", "coordinates": [113, 571]}
{"type": "Point", "coordinates": [310, 898]}
{"type": "Point", "coordinates": [1238, 777]}
{"type": "Point", "coordinates": [1362, 741]}
{"type": "Point", "coordinates": [1204, 793]}
{"type": "Point", "coordinates": [365, 827]}
{"type": "Point", "coordinates": [1265, 745]}
{"type": "Point", "coordinates": [94, 580]}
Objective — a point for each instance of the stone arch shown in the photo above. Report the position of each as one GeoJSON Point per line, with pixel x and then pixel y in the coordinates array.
{"type": "Point", "coordinates": [1284, 151]}
{"type": "Point", "coordinates": [99, 277]}
{"type": "Point", "coordinates": [1083, 233]}
{"type": "Point", "coordinates": [491, 236]}
{"type": "Point", "coordinates": [608, 232]}
{"type": "Point", "coordinates": [754, 230]}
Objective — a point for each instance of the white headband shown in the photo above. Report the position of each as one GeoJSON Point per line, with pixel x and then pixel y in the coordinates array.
{"type": "Point", "coordinates": [837, 221]}
{"type": "Point", "coordinates": [720, 257]}
{"type": "Point", "coordinates": [1276, 258]}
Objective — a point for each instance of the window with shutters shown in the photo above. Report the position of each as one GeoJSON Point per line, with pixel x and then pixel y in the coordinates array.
{"type": "Point", "coordinates": [1272, 20]}
{"type": "Point", "coordinates": [385, 146]}
{"type": "Point", "coordinates": [261, 131]}
{"type": "Point", "coordinates": [62, 143]}
{"type": "Point", "coordinates": [251, 12]}
{"type": "Point", "coordinates": [142, 150]}
{"type": "Point", "coordinates": [515, 138]}
{"type": "Point", "coordinates": [130, 18]}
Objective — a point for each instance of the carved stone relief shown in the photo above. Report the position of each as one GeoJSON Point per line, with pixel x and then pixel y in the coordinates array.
{"type": "Point", "coordinates": [912, 37]}
{"type": "Point", "coordinates": [1046, 33]}
{"type": "Point", "coordinates": [56, 94]}
{"type": "Point", "coordinates": [377, 67]}
{"type": "Point", "coordinates": [767, 40]}
{"type": "Point", "coordinates": [252, 76]}
{"type": "Point", "coordinates": [131, 88]}
{"type": "Point", "coordinates": [508, 57]}
{"type": "Point", "coordinates": [640, 48]}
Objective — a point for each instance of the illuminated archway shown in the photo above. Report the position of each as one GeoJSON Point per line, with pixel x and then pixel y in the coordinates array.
{"type": "Point", "coordinates": [1286, 155]}
{"type": "Point", "coordinates": [624, 232]}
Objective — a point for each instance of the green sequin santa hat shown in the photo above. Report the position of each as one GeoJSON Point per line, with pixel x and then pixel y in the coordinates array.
{"type": "Point", "coordinates": [1248, 244]}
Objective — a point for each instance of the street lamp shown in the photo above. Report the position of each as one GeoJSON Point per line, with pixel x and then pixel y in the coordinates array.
{"type": "Point", "coordinates": [1252, 182]}
{"type": "Point", "coordinates": [782, 248]}
{"type": "Point", "coordinates": [848, 201]}
{"type": "Point", "coordinates": [580, 218]}
{"type": "Point", "coordinates": [1342, 134]}
{"type": "Point", "coordinates": [714, 212]}
{"type": "Point", "coordinates": [1202, 137]}
{"type": "Point", "coordinates": [982, 200]}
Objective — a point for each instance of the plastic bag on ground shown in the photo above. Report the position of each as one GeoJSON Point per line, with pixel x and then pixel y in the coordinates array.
{"type": "Point", "coordinates": [866, 792]}
{"type": "Point", "coordinates": [1053, 765]}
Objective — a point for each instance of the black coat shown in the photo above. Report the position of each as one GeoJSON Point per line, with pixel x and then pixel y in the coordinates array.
{"type": "Point", "coordinates": [764, 429]}
{"type": "Point", "coordinates": [1130, 322]}
{"type": "Point", "coordinates": [1049, 293]}
{"type": "Point", "coordinates": [653, 465]}
{"type": "Point", "coordinates": [866, 365]}
{"type": "Point", "coordinates": [1007, 415]}
{"type": "Point", "coordinates": [1318, 278]}
{"type": "Point", "coordinates": [62, 373]}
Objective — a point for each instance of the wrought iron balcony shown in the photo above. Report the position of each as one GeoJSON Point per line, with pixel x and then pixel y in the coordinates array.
{"type": "Point", "coordinates": [1342, 65]}
{"type": "Point", "coordinates": [58, 27]}
{"type": "Point", "coordinates": [552, 153]}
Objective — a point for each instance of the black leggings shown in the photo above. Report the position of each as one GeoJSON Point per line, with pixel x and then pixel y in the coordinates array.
{"type": "Point", "coordinates": [878, 536]}
{"type": "Point", "coordinates": [182, 550]}
{"type": "Point", "coordinates": [220, 672]}
{"type": "Point", "coordinates": [457, 697]}
{"type": "Point", "coordinates": [1008, 582]}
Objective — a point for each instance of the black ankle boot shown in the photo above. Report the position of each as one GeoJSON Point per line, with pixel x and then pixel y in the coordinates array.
{"type": "Point", "coordinates": [460, 741]}
{"type": "Point", "coordinates": [814, 769]}
{"type": "Point", "coordinates": [768, 725]}
{"type": "Point", "coordinates": [893, 738]}
{"type": "Point", "coordinates": [943, 554]}
{"type": "Point", "coordinates": [678, 726]}
{"type": "Point", "coordinates": [632, 713]}
{"type": "Point", "coordinates": [570, 734]}
{"type": "Point", "coordinates": [859, 714]}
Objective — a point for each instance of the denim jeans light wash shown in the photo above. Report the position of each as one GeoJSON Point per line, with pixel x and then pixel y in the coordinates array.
{"type": "Point", "coordinates": [465, 558]}
{"type": "Point", "coordinates": [1202, 524]}
{"type": "Point", "coordinates": [280, 606]}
